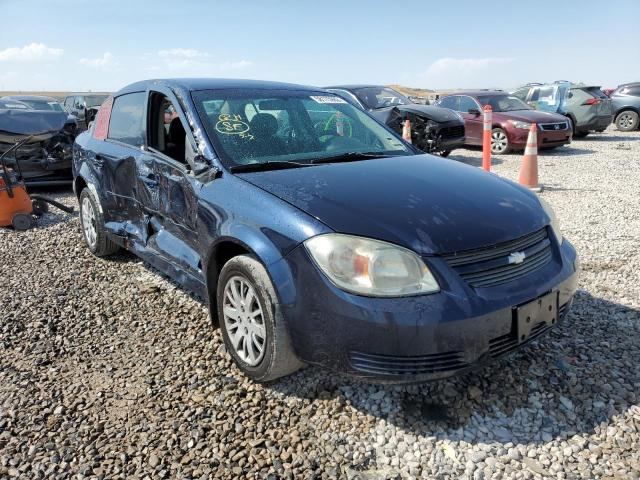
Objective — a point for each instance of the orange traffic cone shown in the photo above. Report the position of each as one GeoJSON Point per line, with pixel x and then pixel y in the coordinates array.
{"type": "Point", "coordinates": [406, 130]}
{"type": "Point", "coordinates": [529, 170]}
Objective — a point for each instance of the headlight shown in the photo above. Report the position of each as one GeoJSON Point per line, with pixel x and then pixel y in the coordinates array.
{"type": "Point", "coordinates": [555, 223]}
{"type": "Point", "coordinates": [370, 267]}
{"type": "Point", "coordinates": [519, 124]}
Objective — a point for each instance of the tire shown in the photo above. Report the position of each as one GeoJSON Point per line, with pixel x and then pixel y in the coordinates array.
{"type": "Point", "coordinates": [499, 142]}
{"type": "Point", "coordinates": [243, 279]}
{"type": "Point", "coordinates": [627, 121]}
{"type": "Point", "coordinates": [580, 134]}
{"type": "Point", "coordinates": [445, 153]}
{"type": "Point", "coordinates": [22, 221]}
{"type": "Point", "coordinates": [92, 226]}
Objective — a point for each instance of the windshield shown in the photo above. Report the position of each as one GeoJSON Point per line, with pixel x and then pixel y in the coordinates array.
{"type": "Point", "coordinates": [380, 97]}
{"type": "Point", "coordinates": [259, 126]}
{"type": "Point", "coordinates": [13, 105]}
{"type": "Point", "coordinates": [43, 105]}
{"type": "Point", "coordinates": [94, 100]}
{"type": "Point", "coordinates": [503, 103]}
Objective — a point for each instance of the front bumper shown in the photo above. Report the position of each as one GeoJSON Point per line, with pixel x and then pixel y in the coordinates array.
{"type": "Point", "coordinates": [419, 338]}
{"type": "Point", "coordinates": [546, 138]}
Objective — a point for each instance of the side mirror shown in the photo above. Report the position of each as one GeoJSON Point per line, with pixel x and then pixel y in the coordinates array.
{"type": "Point", "coordinates": [474, 111]}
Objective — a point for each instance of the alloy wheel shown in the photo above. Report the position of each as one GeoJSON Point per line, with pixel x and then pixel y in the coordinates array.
{"type": "Point", "coordinates": [244, 320]}
{"type": "Point", "coordinates": [89, 222]}
{"type": "Point", "coordinates": [499, 142]}
{"type": "Point", "coordinates": [626, 121]}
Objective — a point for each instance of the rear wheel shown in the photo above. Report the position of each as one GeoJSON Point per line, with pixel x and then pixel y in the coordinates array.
{"type": "Point", "coordinates": [445, 153]}
{"type": "Point", "coordinates": [251, 321]}
{"type": "Point", "coordinates": [499, 142]}
{"type": "Point", "coordinates": [92, 223]}
{"type": "Point", "coordinates": [627, 121]}
{"type": "Point", "coordinates": [22, 221]}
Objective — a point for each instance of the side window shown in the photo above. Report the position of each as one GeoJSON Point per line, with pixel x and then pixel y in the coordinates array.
{"type": "Point", "coordinates": [449, 102]}
{"type": "Point", "coordinates": [634, 91]}
{"type": "Point", "coordinates": [466, 104]}
{"type": "Point", "coordinates": [166, 131]}
{"type": "Point", "coordinates": [127, 119]}
{"type": "Point", "coordinates": [535, 95]}
{"type": "Point", "coordinates": [78, 102]}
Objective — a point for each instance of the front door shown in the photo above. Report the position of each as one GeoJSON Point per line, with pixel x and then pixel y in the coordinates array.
{"type": "Point", "coordinates": [171, 147]}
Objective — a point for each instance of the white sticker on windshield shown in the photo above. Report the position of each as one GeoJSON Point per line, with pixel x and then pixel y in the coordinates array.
{"type": "Point", "coordinates": [328, 99]}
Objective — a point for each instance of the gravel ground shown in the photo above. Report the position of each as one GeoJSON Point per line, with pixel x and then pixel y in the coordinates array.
{"type": "Point", "coordinates": [109, 370]}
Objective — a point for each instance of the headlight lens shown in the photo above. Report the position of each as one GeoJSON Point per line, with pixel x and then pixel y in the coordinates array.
{"type": "Point", "coordinates": [370, 267]}
{"type": "Point", "coordinates": [519, 124]}
{"type": "Point", "coordinates": [555, 223]}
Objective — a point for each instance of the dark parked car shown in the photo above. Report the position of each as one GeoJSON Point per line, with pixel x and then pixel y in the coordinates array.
{"type": "Point", "coordinates": [433, 129]}
{"type": "Point", "coordinates": [512, 120]}
{"type": "Point", "coordinates": [626, 106]}
{"type": "Point", "coordinates": [83, 106]}
{"type": "Point", "coordinates": [37, 102]}
{"type": "Point", "coordinates": [355, 253]}
{"type": "Point", "coordinates": [46, 158]}
{"type": "Point", "coordinates": [588, 107]}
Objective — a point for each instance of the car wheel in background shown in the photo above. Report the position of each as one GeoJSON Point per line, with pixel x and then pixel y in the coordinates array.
{"type": "Point", "coordinates": [251, 321]}
{"type": "Point", "coordinates": [92, 224]}
{"type": "Point", "coordinates": [445, 153]}
{"type": "Point", "coordinates": [499, 142]}
{"type": "Point", "coordinates": [627, 121]}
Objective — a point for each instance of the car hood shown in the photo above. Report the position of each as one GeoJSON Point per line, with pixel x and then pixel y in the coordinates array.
{"type": "Point", "coordinates": [437, 114]}
{"type": "Point", "coordinates": [41, 124]}
{"type": "Point", "coordinates": [422, 202]}
{"type": "Point", "coordinates": [531, 116]}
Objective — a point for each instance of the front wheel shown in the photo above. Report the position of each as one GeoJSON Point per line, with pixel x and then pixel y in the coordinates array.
{"type": "Point", "coordinates": [627, 121]}
{"type": "Point", "coordinates": [251, 321]}
{"type": "Point", "coordinates": [499, 142]}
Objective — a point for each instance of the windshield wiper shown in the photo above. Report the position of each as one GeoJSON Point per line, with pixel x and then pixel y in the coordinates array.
{"type": "Point", "coordinates": [350, 157]}
{"type": "Point", "coordinates": [262, 166]}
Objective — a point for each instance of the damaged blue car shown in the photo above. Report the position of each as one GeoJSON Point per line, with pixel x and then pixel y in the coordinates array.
{"type": "Point", "coordinates": [316, 234]}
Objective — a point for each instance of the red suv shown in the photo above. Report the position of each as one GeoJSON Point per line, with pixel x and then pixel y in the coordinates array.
{"type": "Point", "coordinates": [512, 119]}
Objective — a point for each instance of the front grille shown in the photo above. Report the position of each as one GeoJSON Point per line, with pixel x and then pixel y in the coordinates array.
{"type": "Point", "coordinates": [553, 126]}
{"type": "Point", "coordinates": [486, 267]}
{"type": "Point", "coordinates": [396, 365]}
{"type": "Point", "coordinates": [506, 343]}
{"type": "Point", "coordinates": [562, 311]}
{"type": "Point", "coordinates": [452, 132]}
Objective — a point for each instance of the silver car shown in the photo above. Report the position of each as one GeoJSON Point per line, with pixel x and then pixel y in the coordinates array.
{"type": "Point", "coordinates": [588, 108]}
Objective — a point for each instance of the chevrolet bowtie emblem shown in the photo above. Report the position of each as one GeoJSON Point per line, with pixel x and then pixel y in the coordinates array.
{"type": "Point", "coordinates": [516, 257]}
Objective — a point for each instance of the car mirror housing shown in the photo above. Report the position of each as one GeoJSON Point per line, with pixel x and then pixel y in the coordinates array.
{"type": "Point", "coordinates": [474, 111]}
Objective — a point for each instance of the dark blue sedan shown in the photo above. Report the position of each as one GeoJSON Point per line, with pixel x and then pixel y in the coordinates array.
{"type": "Point", "coordinates": [315, 234]}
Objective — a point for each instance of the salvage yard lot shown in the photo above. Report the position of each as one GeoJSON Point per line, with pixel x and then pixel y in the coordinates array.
{"type": "Point", "coordinates": [108, 369]}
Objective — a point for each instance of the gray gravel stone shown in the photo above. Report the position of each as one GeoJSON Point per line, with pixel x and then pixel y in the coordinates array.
{"type": "Point", "coordinates": [109, 369]}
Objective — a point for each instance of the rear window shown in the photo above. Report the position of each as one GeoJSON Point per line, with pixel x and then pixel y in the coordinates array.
{"type": "Point", "coordinates": [596, 92]}
{"type": "Point", "coordinates": [127, 119]}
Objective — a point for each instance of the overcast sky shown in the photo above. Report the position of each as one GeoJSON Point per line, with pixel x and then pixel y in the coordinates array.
{"type": "Point", "coordinates": [103, 45]}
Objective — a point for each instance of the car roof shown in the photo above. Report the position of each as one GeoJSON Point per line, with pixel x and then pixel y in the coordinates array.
{"type": "Point", "coordinates": [358, 86]}
{"type": "Point", "coordinates": [195, 84]}
{"type": "Point", "coordinates": [30, 97]}
{"type": "Point", "coordinates": [475, 93]}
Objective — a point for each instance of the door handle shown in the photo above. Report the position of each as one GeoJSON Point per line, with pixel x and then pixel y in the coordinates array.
{"type": "Point", "coordinates": [150, 180]}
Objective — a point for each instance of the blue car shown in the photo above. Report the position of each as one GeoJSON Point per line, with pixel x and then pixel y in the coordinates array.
{"type": "Point", "coordinates": [315, 234]}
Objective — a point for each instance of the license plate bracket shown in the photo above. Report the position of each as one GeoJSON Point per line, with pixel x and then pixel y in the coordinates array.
{"type": "Point", "coordinates": [542, 309]}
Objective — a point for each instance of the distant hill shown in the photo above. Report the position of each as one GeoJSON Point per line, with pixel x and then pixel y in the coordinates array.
{"type": "Point", "coordinates": [411, 91]}
{"type": "Point", "coordinates": [59, 95]}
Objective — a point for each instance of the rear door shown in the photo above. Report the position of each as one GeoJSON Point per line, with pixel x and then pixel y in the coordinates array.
{"type": "Point", "coordinates": [128, 172]}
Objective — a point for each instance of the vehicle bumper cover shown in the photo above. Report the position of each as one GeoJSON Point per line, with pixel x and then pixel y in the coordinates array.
{"type": "Point", "coordinates": [446, 333]}
{"type": "Point", "coordinates": [546, 138]}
